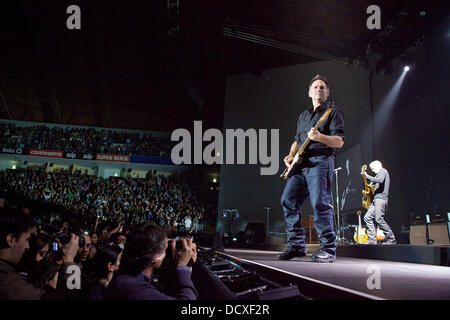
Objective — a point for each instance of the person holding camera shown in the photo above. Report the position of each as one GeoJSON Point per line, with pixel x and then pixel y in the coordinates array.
{"type": "Point", "coordinates": [144, 253]}
{"type": "Point", "coordinates": [15, 232]}
{"type": "Point", "coordinates": [39, 260]}
{"type": "Point", "coordinates": [81, 261]}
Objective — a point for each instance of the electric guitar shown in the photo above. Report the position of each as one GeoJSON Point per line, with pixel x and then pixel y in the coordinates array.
{"type": "Point", "coordinates": [380, 234]}
{"type": "Point", "coordinates": [298, 158]}
{"type": "Point", "coordinates": [360, 233]}
{"type": "Point", "coordinates": [368, 190]}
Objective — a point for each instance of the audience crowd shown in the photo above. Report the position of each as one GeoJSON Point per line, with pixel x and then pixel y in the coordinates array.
{"type": "Point", "coordinates": [93, 201]}
{"type": "Point", "coordinates": [83, 140]}
{"type": "Point", "coordinates": [73, 236]}
{"type": "Point", "coordinates": [69, 236]}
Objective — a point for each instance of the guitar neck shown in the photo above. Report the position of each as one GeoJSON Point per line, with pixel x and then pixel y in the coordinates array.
{"type": "Point", "coordinates": [308, 140]}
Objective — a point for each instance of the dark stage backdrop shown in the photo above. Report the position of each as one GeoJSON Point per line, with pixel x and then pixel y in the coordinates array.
{"type": "Point", "coordinates": [349, 179]}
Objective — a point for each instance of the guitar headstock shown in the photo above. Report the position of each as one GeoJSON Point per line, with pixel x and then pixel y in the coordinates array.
{"type": "Point", "coordinates": [363, 169]}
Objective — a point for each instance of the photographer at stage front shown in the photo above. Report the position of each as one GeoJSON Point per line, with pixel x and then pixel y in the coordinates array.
{"type": "Point", "coordinates": [144, 253]}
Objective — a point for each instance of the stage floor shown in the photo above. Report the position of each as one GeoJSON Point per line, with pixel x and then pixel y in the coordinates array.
{"type": "Point", "coordinates": [398, 280]}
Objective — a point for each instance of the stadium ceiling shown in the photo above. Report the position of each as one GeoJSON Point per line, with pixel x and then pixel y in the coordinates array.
{"type": "Point", "coordinates": [160, 65]}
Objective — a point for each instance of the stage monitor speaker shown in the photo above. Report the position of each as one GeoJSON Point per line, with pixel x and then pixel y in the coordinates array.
{"type": "Point", "coordinates": [439, 233]}
{"type": "Point", "coordinates": [255, 232]}
{"type": "Point", "coordinates": [217, 244]}
{"type": "Point", "coordinates": [418, 234]}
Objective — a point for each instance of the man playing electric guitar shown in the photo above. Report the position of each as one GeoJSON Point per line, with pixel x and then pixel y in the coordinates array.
{"type": "Point", "coordinates": [315, 175]}
{"type": "Point", "coordinates": [376, 211]}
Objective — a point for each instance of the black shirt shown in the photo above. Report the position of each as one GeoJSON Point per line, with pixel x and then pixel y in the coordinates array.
{"type": "Point", "coordinates": [332, 126]}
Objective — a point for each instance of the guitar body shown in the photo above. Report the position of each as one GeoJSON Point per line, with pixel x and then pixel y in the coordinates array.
{"type": "Point", "coordinates": [294, 168]}
{"type": "Point", "coordinates": [297, 161]}
{"type": "Point", "coordinates": [380, 234]}
{"type": "Point", "coordinates": [361, 236]}
{"type": "Point", "coordinates": [368, 190]}
{"type": "Point", "coordinates": [367, 196]}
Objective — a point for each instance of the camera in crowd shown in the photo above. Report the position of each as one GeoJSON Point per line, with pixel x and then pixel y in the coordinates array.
{"type": "Point", "coordinates": [177, 235]}
{"type": "Point", "coordinates": [64, 238]}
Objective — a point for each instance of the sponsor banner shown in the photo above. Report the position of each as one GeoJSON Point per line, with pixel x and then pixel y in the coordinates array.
{"type": "Point", "coordinates": [86, 156]}
{"type": "Point", "coordinates": [18, 151]}
{"type": "Point", "coordinates": [77, 155]}
{"type": "Point", "coordinates": [151, 160]}
{"type": "Point", "coordinates": [46, 153]}
{"type": "Point", "coordinates": [112, 157]}
{"type": "Point", "coordinates": [70, 155]}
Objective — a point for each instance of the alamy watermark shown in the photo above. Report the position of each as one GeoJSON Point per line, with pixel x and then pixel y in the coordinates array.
{"type": "Point", "coordinates": [73, 22]}
{"type": "Point", "coordinates": [374, 280]}
{"type": "Point", "coordinates": [74, 280]}
{"type": "Point", "coordinates": [213, 153]}
{"type": "Point", "coordinates": [374, 20]}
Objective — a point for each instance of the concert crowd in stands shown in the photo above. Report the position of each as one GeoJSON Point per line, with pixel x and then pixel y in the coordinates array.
{"type": "Point", "coordinates": [163, 200]}
{"type": "Point", "coordinates": [114, 230]}
{"type": "Point", "coordinates": [83, 140]}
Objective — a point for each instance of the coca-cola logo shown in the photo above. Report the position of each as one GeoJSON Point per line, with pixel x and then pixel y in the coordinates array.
{"type": "Point", "coordinates": [88, 156]}
{"type": "Point", "coordinates": [71, 155]}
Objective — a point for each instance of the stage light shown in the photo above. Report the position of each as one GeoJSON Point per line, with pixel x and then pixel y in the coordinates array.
{"type": "Point", "coordinates": [406, 68]}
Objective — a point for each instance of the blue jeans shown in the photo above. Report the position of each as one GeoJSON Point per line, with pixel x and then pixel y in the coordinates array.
{"type": "Point", "coordinates": [315, 181]}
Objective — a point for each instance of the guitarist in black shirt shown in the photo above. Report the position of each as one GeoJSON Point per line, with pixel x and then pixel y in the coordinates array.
{"type": "Point", "coordinates": [314, 176]}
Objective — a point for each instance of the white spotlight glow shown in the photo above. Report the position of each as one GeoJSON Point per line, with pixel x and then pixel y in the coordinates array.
{"type": "Point", "coordinates": [406, 68]}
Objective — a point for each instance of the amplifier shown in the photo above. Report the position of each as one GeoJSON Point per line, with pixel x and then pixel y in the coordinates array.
{"type": "Point", "coordinates": [417, 219]}
{"type": "Point", "coordinates": [418, 234]}
{"type": "Point", "coordinates": [438, 217]}
{"type": "Point", "coordinates": [439, 233]}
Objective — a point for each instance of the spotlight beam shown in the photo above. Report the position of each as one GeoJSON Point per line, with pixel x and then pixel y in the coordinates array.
{"type": "Point", "coordinates": [383, 113]}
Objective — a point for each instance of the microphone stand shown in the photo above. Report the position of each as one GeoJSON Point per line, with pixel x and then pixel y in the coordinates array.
{"type": "Point", "coordinates": [339, 239]}
{"type": "Point", "coordinates": [267, 221]}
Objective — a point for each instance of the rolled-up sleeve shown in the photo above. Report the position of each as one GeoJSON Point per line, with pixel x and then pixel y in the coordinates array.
{"type": "Point", "coordinates": [337, 124]}
{"type": "Point", "coordinates": [298, 134]}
